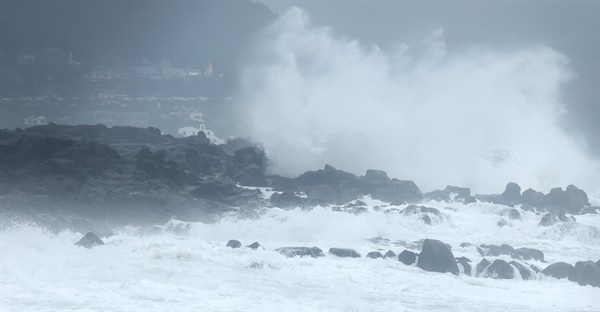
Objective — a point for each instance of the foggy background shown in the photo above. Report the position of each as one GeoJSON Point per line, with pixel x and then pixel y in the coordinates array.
{"type": "Point", "coordinates": [469, 93]}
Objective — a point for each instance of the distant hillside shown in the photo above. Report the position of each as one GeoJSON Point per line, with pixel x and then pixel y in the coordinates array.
{"type": "Point", "coordinates": [188, 33]}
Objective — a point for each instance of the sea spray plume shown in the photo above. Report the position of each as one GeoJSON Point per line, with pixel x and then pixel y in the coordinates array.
{"type": "Point", "coordinates": [477, 118]}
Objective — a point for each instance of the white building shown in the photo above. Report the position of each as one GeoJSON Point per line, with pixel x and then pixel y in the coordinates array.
{"type": "Point", "coordinates": [35, 121]}
{"type": "Point", "coordinates": [189, 131]}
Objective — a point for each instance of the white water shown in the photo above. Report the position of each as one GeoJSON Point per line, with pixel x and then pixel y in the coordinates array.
{"type": "Point", "coordinates": [427, 112]}
{"type": "Point", "coordinates": [186, 266]}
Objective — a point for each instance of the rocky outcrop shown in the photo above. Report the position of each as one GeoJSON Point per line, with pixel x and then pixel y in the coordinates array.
{"type": "Point", "coordinates": [511, 195]}
{"type": "Point", "coordinates": [550, 219]}
{"type": "Point", "coordinates": [254, 246]}
{"type": "Point", "coordinates": [523, 270]}
{"type": "Point", "coordinates": [450, 194]}
{"type": "Point", "coordinates": [481, 266]}
{"type": "Point", "coordinates": [528, 254]}
{"type": "Point", "coordinates": [90, 240]}
{"type": "Point", "coordinates": [249, 166]}
{"type": "Point", "coordinates": [390, 254]}
{"type": "Point", "coordinates": [437, 256]}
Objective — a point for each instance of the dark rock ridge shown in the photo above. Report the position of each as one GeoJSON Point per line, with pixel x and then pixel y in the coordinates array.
{"type": "Point", "coordinates": [90, 240]}
{"type": "Point", "coordinates": [130, 174]}
{"type": "Point", "coordinates": [572, 200]}
{"type": "Point", "coordinates": [344, 252]}
{"type": "Point", "coordinates": [437, 256]}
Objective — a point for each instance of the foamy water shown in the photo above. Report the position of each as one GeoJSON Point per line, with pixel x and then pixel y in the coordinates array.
{"type": "Point", "coordinates": [186, 266]}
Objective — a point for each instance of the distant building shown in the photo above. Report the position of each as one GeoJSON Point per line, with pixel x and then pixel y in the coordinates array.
{"type": "Point", "coordinates": [189, 131]}
{"type": "Point", "coordinates": [35, 121]}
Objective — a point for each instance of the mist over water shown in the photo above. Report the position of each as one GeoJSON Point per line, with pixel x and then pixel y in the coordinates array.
{"type": "Point", "coordinates": [477, 117]}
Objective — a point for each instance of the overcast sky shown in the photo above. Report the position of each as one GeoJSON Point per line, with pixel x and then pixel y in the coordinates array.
{"type": "Point", "coordinates": [570, 27]}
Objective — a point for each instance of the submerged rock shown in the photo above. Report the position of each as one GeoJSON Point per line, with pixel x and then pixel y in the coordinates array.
{"type": "Point", "coordinates": [464, 261]}
{"type": "Point", "coordinates": [90, 240]}
{"type": "Point", "coordinates": [499, 269]}
{"type": "Point", "coordinates": [291, 252]}
{"type": "Point", "coordinates": [437, 256]}
{"type": "Point", "coordinates": [234, 244]}
{"type": "Point", "coordinates": [528, 254]}
{"type": "Point", "coordinates": [523, 270]}
{"type": "Point", "coordinates": [254, 245]}
{"type": "Point", "coordinates": [590, 275]}
{"type": "Point", "coordinates": [481, 266]}
{"type": "Point", "coordinates": [375, 255]}
{"type": "Point", "coordinates": [344, 252]}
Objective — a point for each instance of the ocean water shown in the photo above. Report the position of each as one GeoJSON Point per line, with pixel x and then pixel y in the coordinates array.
{"type": "Point", "coordinates": [186, 266]}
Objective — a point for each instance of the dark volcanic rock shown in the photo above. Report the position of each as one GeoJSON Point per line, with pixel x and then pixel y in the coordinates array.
{"type": "Point", "coordinates": [390, 254]}
{"type": "Point", "coordinates": [288, 200]}
{"type": "Point", "coordinates": [550, 219]}
{"type": "Point", "coordinates": [523, 270]}
{"type": "Point", "coordinates": [344, 252]}
{"type": "Point", "coordinates": [90, 240]}
{"type": "Point", "coordinates": [234, 244]}
{"type": "Point", "coordinates": [464, 261]}
{"type": "Point", "coordinates": [495, 250]}
{"type": "Point", "coordinates": [499, 269]}
{"type": "Point", "coordinates": [254, 245]}
{"type": "Point", "coordinates": [534, 199]}
{"type": "Point", "coordinates": [481, 266]}
{"type": "Point", "coordinates": [330, 186]}
{"type": "Point", "coordinates": [559, 270]}
{"type": "Point", "coordinates": [407, 257]}
{"type": "Point", "coordinates": [291, 252]}
{"type": "Point", "coordinates": [450, 193]}
{"type": "Point", "coordinates": [436, 256]}
{"type": "Point", "coordinates": [249, 167]}
{"type": "Point", "coordinates": [589, 275]}
{"type": "Point", "coordinates": [572, 200]}
{"type": "Point", "coordinates": [511, 195]}
{"type": "Point", "coordinates": [528, 254]}
{"type": "Point", "coordinates": [374, 255]}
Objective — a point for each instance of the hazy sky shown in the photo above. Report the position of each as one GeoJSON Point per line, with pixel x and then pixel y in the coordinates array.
{"type": "Point", "coordinates": [570, 27]}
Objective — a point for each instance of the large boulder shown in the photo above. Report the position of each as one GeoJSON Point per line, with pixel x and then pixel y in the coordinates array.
{"type": "Point", "coordinates": [233, 244]}
{"type": "Point", "coordinates": [590, 275]}
{"type": "Point", "coordinates": [511, 195]}
{"type": "Point", "coordinates": [436, 256]}
{"type": "Point", "coordinates": [559, 270]}
{"type": "Point", "coordinates": [528, 254]}
{"type": "Point", "coordinates": [572, 200]}
{"type": "Point", "coordinates": [481, 266]}
{"type": "Point", "coordinates": [499, 269]}
{"type": "Point", "coordinates": [344, 252]}
{"type": "Point", "coordinates": [534, 199]}
{"type": "Point", "coordinates": [407, 257]}
{"type": "Point", "coordinates": [375, 255]}
{"type": "Point", "coordinates": [291, 252]}
{"type": "Point", "coordinates": [523, 270]}
{"type": "Point", "coordinates": [90, 240]}
{"type": "Point", "coordinates": [330, 186]}
{"type": "Point", "coordinates": [465, 263]}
